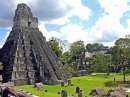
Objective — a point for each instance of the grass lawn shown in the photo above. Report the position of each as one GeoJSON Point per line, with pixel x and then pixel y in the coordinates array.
{"type": "Point", "coordinates": [86, 83]}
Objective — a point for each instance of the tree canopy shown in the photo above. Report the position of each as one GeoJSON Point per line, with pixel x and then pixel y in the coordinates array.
{"type": "Point", "coordinates": [93, 46]}
{"type": "Point", "coordinates": [121, 53]}
{"type": "Point", "coordinates": [55, 47]}
{"type": "Point", "coordinates": [76, 48]}
{"type": "Point", "coordinates": [121, 50]}
{"type": "Point", "coordinates": [101, 63]}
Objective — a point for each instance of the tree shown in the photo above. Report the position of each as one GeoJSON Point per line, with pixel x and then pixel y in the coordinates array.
{"type": "Point", "coordinates": [65, 57]}
{"type": "Point", "coordinates": [116, 59]}
{"type": "Point", "coordinates": [76, 48]}
{"type": "Point", "coordinates": [101, 63]}
{"type": "Point", "coordinates": [107, 62]}
{"type": "Point", "coordinates": [69, 58]}
{"type": "Point", "coordinates": [93, 46]}
{"type": "Point", "coordinates": [89, 47]}
{"type": "Point", "coordinates": [70, 67]}
{"type": "Point", "coordinates": [121, 54]}
{"type": "Point", "coordinates": [55, 47]}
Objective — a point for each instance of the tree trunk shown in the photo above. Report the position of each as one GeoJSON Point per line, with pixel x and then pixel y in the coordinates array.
{"type": "Point", "coordinates": [124, 74]}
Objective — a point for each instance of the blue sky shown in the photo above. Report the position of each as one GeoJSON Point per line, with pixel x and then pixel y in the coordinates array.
{"type": "Point", "coordinates": [102, 21]}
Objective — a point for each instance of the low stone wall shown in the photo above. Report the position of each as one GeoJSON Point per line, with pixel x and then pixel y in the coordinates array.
{"type": "Point", "coordinates": [81, 73]}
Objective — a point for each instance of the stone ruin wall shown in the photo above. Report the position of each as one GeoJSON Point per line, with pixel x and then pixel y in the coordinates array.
{"type": "Point", "coordinates": [24, 20]}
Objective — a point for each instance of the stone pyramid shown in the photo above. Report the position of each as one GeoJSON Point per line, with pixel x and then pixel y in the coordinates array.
{"type": "Point", "coordinates": [26, 56]}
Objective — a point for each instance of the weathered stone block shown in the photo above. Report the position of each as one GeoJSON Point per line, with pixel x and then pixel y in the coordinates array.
{"type": "Point", "coordinates": [69, 82]}
{"type": "Point", "coordinates": [77, 89]}
{"type": "Point", "coordinates": [64, 93]}
{"type": "Point", "coordinates": [62, 84]}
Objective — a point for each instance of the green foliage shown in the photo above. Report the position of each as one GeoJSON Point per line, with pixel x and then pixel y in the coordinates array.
{"type": "Point", "coordinates": [66, 61]}
{"type": "Point", "coordinates": [127, 70]}
{"type": "Point", "coordinates": [65, 57]}
{"type": "Point", "coordinates": [97, 62]}
{"type": "Point", "coordinates": [69, 58]}
{"type": "Point", "coordinates": [121, 52]}
{"type": "Point", "coordinates": [1, 67]}
{"type": "Point", "coordinates": [121, 55]}
{"type": "Point", "coordinates": [70, 67]}
{"type": "Point", "coordinates": [76, 48]}
{"type": "Point", "coordinates": [101, 63]}
{"type": "Point", "coordinates": [55, 47]}
{"type": "Point", "coordinates": [91, 47]}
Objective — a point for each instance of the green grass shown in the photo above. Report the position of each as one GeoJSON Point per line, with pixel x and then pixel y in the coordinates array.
{"type": "Point", "coordinates": [86, 83]}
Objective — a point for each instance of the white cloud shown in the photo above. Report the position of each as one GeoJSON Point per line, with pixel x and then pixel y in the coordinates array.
{"type": "Point", "coordinates": [108, 28]}
{"type": "Point", "coordinates": [25, 1]}
{"type": "Point", "coordinates": [4, 39]}
{"type": "Point", "coordinates": [78, 9]}
{"type": "Point", "coordinates": [128, 22]}
{"type": "Point", "coordinates": [60, 21]}
{"type": "Point", "coordinates": [50, 11]}
{"type": "Point", "coordinates": [1, 44]}
{"type": "Point", "coordinates": [115, 7]}
{"type": "Point", "coordinates": [75, 33]}
{"type": "Point", "coordinates": [128, 27]}
{"type": "Point", "coordinates": [46, 33]}
{"type": "Point", "coordinates": [7, 34]}
{"type": "Point", "coordinates": [72, 33]}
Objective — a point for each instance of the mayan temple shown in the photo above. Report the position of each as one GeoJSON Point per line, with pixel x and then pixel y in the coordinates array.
{"type": "Point", "coordinates": [26, 56]}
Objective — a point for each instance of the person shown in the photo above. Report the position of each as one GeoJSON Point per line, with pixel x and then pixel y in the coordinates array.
{"type": "Point", "coordinates": [114, 79]}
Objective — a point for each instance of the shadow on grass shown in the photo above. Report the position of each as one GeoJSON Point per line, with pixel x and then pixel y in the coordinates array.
{"type": "Point", "coordinates": [117, 83]}
{"type": "Point", "coordinates": [111, 84]}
